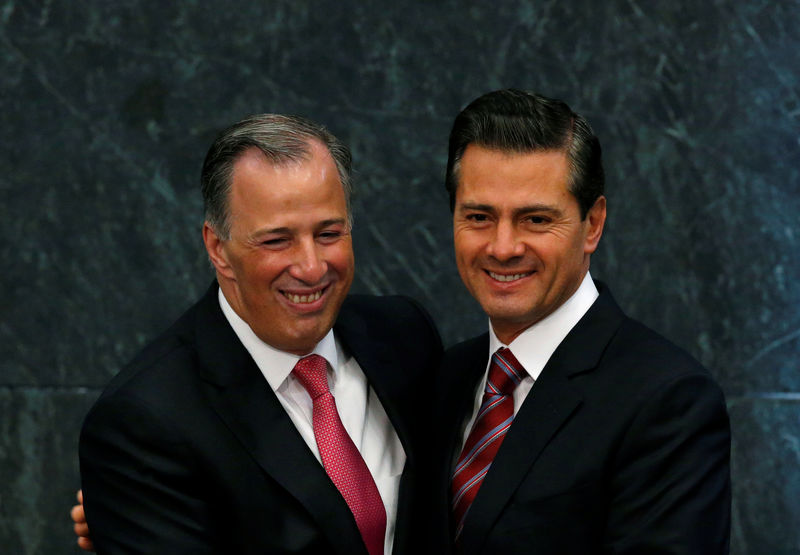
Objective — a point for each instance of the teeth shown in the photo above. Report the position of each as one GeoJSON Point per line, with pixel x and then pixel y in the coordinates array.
{"type": "Point", "coordinates": [300, 299]}
{"type": "Point", "coordinates": [514, 277]}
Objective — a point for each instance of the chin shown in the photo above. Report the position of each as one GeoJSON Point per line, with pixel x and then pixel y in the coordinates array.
{"type": "Point", "coordinates": [309, 337]}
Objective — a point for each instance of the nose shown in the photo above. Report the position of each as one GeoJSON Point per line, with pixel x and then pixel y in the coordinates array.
{"type": "Point", "coordinates": [309, 265]}
{"type": "Point", "coordinates": [505, 244]}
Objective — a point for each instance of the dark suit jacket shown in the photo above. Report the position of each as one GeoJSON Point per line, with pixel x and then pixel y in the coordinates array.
{"type": "Point", "coordinates": [189, 451]}
{"type": "Point", "coordinates": [622, 446]}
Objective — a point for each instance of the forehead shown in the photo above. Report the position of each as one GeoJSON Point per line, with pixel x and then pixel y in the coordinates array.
{"type": "Point", "coordinates": [486, 172]}
{"type": "Point", "coordinates": [261, 187]}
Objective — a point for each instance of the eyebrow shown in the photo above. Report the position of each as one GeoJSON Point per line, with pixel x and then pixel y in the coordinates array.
{"type": "Point", "coordinates": [528, 209]}
{"type": "Point", "coordinates": [284, 229]}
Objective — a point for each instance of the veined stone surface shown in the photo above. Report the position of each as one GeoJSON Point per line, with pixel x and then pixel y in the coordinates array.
{"type": "Point", "coordinates": [107, 109]}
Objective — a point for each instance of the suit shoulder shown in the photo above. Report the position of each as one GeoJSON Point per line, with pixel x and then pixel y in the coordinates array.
{"type": "Point", "coordinates": [396, 314]}
{"type": "Point", "coordinates": [640, 365]}
{"type": "Point", "coordinates": [386, 305]}
{"type": "Point", "coordinates": [161, 365]}
{"type": "Point", "coordinates": [467, 358]}
{"type": "Point", "coordinates": [397, 326]}
{"type": "Point", "coordinates": [630, 354]}
{"type": "Point", "coordinates": [468, 349]}
{"type": "Point", "coordinates": [635, 341]}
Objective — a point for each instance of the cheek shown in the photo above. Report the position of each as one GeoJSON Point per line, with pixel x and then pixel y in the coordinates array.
{"type": "Point", "coordinates": [465, 266]}
{"type": "Point", "coordinates": [342, 259]}
{"type": "Point", "coordinates": [559, 250]}
{"type": "Point", "coordinates": [264, 269]}
{"type": "Point", "coordinates": [466, 249]}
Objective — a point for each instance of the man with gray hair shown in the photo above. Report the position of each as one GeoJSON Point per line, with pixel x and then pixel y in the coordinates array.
{"type": "Point", "coordinates": [278, 414]}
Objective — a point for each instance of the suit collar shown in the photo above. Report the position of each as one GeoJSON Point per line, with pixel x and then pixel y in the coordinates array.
{"type": "Point", "coordinates": [583, 347]}
{"type": "Point", "coordinates": [463, 367]}
{"type": "Point", "coordinates": [274, 364]}
{"type": "Point", "coordinates": [378, 361]}
{"type": "Point", "coordinates": [239, 394]}
{"type": "Point", "coordinates": [549, 405]}
{"type": "Point", "coordinates": [536, 345]}
{"type": "Point", "coordinates": [468, 363]}
{"type": "Point", "coordinates": [379, 366]}
{"type": "Point", "coordinates": [226, 361]}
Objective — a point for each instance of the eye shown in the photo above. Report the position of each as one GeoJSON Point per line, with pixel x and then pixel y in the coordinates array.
{"type": "Point", "coordinates": [330, 235]}
{"type": "Point", "coordinates": [274, 242]}
{"type": "Point", "coordinates": [477, 217]}
{"type": "Point", "coordinates": [538, 220]}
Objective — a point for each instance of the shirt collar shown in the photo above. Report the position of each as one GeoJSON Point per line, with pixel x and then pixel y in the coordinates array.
{"type": "Point", "coordinates": [534, 346]}
{"type": "Point", "coordinates": [276, 365]}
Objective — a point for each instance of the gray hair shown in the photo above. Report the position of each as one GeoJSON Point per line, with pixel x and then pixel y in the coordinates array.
{"type": "Point", "coordinates": [282, 139]}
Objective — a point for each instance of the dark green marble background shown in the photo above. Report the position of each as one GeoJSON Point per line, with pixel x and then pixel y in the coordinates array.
{"type": "Point", "coordinates": [107, 108]}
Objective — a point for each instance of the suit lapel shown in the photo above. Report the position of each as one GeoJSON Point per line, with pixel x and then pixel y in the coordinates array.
{"type": "Point", "coordinates": [462, 369]}
{"type": "Point", "coordinates": [549, 405]}
{"type": "Point", "coordinates": [381, 368]}
{"type": "Point", "coordinates": [243, 399]}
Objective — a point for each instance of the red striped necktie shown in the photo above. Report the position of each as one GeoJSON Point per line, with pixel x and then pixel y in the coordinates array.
{"type": "Point", "coordinates": [491, 424]}
{"type": "Point", "coordinates": [340, 457]}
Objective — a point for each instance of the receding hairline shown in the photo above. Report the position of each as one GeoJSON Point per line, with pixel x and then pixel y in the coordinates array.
{"type": "Point", "coordinates": [283, 139]}
{"type": "Point", "coordinates": [313, 147]}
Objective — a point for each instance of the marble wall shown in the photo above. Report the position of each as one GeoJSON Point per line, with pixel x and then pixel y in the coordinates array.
{"type": "Point", "coordinates": [107, 109]}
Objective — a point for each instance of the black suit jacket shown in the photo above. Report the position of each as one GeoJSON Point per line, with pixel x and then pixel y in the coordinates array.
{"type": "Point", "coordinates": [189, 451]}
{"type": "Point", "coordinates": [622, 446]}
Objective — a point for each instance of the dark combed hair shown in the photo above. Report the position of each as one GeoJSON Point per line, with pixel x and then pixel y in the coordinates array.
{"type": "Point", "coordinates": [517, 121]}
{"type": "Point", "coordinates": [283, 139]}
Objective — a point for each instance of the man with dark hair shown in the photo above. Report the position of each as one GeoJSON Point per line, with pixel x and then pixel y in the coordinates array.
{"type": "Point", "coordinates": [568, 428]}
{"type": "Point", "coordinates": [278, 414]}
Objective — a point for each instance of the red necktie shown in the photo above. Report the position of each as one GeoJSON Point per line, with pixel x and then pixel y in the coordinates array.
{"type": "Point", "coordinates": [341, 459]}
{"type": "Point", "coordinates": [490, 427]}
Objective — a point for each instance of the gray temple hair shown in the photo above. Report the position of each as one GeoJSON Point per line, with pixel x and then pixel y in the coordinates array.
{"type": "Point", "coordinates": [283, 139]}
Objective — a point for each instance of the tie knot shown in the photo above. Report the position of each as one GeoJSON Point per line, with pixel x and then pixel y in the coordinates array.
{"type": "Point", "coordinates": [505, 373]}
{"type": "Point", "coordinates": [312, 371]}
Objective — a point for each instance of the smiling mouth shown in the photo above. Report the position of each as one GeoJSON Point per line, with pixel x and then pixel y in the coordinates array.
{"type": "Point", "coordinates": [508, 277]}
{"type": "Point", "coordinates": [304, 299]}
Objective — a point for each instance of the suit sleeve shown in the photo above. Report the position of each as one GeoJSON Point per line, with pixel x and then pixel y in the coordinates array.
{"type": "Point", "coordinates": [141, 493]}
{"type": "Point", "coordinates": [670, 490]}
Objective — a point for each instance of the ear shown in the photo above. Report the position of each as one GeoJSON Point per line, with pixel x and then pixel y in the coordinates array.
{"type": "Point", "coordinates": [215, 247]}
{"type": "Point", "coordinates": [595, 220]}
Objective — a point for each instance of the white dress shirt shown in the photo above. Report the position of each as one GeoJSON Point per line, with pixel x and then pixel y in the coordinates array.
{"type": "Point", "coordinates": [359, 409]}
{"type": "Point", "coordinates": [534, 346]}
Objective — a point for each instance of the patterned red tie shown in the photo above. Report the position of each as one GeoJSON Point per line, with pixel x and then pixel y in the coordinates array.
{"type": "Point", "coordinates": [341, 459]}
{"type": "Point", "coordinates": [490, 427]}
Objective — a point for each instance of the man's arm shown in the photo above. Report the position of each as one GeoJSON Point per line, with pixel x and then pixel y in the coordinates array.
{"type": "Point", "coordinates": [142, 493]}
{"type": "Point", "coordinates": [670, 491]}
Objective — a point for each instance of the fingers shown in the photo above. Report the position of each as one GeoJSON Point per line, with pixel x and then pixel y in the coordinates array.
{"type": "Point", "coordinates": [81, 529]}
{"type": "Point", "coordinates": [77, 514]}
{"type": "Point", "coordinates": [85, 544]}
